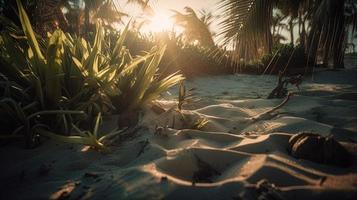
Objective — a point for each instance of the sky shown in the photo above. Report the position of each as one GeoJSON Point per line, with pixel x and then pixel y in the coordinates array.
{"type": "Point", "coordinates": [163, 11]}
{"type": "Point", "coordinates": [163, 8]}
{"type": "Point", "coordinates": [166, 5]}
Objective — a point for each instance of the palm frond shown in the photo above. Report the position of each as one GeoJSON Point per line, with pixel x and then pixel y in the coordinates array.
{"type": "Point", "coordinates": [195, 28]}
{"type": "Point", "coordinates": [246, 27]}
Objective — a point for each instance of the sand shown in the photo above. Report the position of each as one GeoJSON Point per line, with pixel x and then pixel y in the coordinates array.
{"type": "Point", "coordinates": [227, 158]}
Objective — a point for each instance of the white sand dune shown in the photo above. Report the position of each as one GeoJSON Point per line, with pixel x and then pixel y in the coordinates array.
{"type": "Point", "coordinates": [225, 159]}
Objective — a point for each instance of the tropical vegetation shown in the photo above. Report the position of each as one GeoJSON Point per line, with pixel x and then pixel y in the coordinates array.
{"type": "Point", "coordinates": [323, 27]}
{"type": "Point", "coordinates": [73, 64]}
{"type": "Point", "coordinates": [70, 80]}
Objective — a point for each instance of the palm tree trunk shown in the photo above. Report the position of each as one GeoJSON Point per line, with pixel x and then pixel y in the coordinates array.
{"type": "Point", "coordinates": [340, 39]}
{"type": "Point", "coordinates": [340, 45]}
{"type": "Point", "coordinates": [300, 23]}
{"type": "Point", "coordinates": [313, 44]}
{"type": "Point", "coordinates": [303, 34]}
{"type": "Point", "coordinates": [291, 27]}
{"type": "Point", "coordinates": [268, 34]}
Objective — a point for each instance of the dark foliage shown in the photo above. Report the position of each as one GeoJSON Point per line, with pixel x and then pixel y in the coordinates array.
{"type": "Point", "coordinates": [285, 58]}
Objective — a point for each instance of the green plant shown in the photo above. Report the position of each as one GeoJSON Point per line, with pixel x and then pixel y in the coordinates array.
{"type": "Point", "coordinates": [184, 96]}
{"type": "Point", "coordinates": [33, 126]}
{"type": "Point", "coordinates": [32, 79]}
{"type": "Point", "coordinates": [125, 83]}
{"type": "Point", "coordinates": [90, 138]}
{"type": "Point", "coordinates": [27, 121]}
{"type": "Point", "coordinates": [143, 82]}
{"type": "Point", "coordinates": [71, 82]}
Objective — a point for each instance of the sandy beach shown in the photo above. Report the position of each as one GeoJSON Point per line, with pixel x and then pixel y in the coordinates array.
{"type": "Point", "coordinates": [232, 156]}
{"type": "Point", "coordinates": [176, 100]}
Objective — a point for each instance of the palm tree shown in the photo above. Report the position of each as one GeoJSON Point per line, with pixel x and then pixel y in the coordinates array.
{"type": "Point", "coordinates": [108, 12]}
{"type": "Point", "coordinates": [277, 26]}
{"type": "Point", "coordinates": [74, 16]}
{"type": "Point", "coordinates": [144, 4]}
{"type": "Point", "coordinates": [290, 8]}
{"type": "Point", "coordinates": [329, 27]}
{"type": "Point", "coordinates": [49, 16]}
{"type": "Point", "coordinates": [8, 9]}
{"type": "Point", "coordinates": [304, 15]}
{"type": "Point", "coordinates": [196, 28]}
{"type": "Point", "coordinates": [247, 27]}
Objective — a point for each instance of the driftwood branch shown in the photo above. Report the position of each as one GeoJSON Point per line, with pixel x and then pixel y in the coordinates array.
{"type": "Point", "coordinates": [268, 114]}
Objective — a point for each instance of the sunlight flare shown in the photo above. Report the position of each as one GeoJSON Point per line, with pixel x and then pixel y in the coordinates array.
{"type": "Point", "coordinates": [160, 22]}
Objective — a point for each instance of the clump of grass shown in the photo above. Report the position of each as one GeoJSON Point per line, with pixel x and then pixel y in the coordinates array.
{"type": "Point", "coordinates": [185, 96]}
{"type": "Point", "coordinates": [27, 123]}
{"type": "Point", "coordinates": [89, 138]}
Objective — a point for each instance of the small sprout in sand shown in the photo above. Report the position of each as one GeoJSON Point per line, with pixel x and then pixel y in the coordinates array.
{"type": "Point", "coordinates": [184, 96]}
{"type": "Point", "coordinates": [199, 123]}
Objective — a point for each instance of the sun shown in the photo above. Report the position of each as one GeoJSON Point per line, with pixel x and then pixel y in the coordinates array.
{"type": "Point", "coordinates": [159, 23]}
